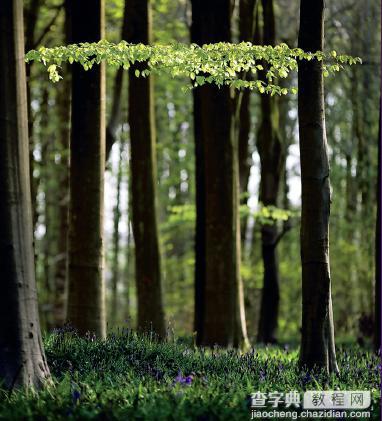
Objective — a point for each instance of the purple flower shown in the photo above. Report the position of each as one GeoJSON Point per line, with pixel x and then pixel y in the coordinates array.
{"type": "Point", "coordinates": [306, 378]}
{"type": "Point", "coordinates": [183, 380]}
{"type": "Point", "coordinates": [262, 375]}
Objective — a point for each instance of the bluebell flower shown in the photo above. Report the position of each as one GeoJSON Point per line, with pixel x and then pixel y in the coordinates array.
{"type": "Point", "coordinates": [306, 378]}
{"type": "Point", "coordinates": [76, 396]}
{"type": "Point", "coordinates": [183, 380]}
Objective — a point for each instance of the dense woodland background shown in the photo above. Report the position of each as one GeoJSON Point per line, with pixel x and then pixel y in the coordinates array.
{"type": "Point", "coordinates": [352, 126]}
{"type": "Point", "coordinates": [352, 110]}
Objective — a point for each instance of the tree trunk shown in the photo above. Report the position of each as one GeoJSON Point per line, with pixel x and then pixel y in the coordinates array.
{"type": "Point", "coordinates": [48, 187]}
{"type": "Point", "coordinates": [117, 91]}
{"type": "Point", "coordinates": [246, 33]}
{"type": "Point", "coordinates": [200, 228]}
{"type": "Point", "coordinates": [86, 308]}
{"type": "Point", "coordinates": [116, 242]}
{"type": "Point", "coordinates": [31, 17]}
{"type": "Point", "coordinates": [143, 179]}
{"type": "Point", "coordinates": [317, 340]}
{"type": "Point", "coordinates": [127, 276]}
{"type": "Point", "coordinates": [271, 158]}
{"type": "Point", "coordinates": [63, 105]}
{"type": "Point", "coordinates": [377, 297]}
{"type": "Point", "coordinates": [219, 301]}
{"type": "Point", "coordinates": [22, 359]}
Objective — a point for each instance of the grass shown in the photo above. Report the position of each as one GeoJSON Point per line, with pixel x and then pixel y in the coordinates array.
{"type": "Point", "coordinates": [134, 377]}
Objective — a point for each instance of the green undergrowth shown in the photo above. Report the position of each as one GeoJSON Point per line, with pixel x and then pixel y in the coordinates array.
{"type": "Point", "coordinates": [134, 377]}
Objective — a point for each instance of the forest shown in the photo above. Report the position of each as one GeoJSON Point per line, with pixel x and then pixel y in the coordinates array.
{"type": "Point", "coordinates": [190, 208]}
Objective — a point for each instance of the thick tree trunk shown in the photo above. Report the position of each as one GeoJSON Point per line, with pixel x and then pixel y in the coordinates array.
{"type": "Point", "coordinates": [143, 175]}
{"type": "Point", "coordinates": [219, 301]}
{"type": "Point", "coordinates": [86, 308]}
{"type": "Point", "coordinates": [22, 359]}
{"type": "Point", "coordinates": [200, 228]}
{"type": "Point", "coordinates": [271, 158]}
{"type": "Point", "coordinates": [317, 341]}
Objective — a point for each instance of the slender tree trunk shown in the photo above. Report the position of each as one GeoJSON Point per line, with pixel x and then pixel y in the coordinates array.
{"type": "Point", "coordinates": [317, 341]}
{"type": "Point", "coordinates": [22, 359]}
{"type": "Point", "coordinates": [116, 243]}
{"type": "Point", "coordinates": [377, 298]}
{"type": "Point", "coordinates": [86, 308]}
{"type": "Point", "coordinates": [246, 33]}
{"type": "Point", "coordinates": [219, 301]}
{"type": "Point", "coordinates": [127, 274]}
{"type": "Point", "coordinates": [47, 186]}
{"type": "Point", "coordinates": [271, 158]}
{"type": "Point", "coordinates": [63, 105]}
{"type": "Point", "coordinates": [117, 91]}
{"type": "Point", "coordinates": [143, 174]}
{"type": "Point", "coordinates": [31, 17]}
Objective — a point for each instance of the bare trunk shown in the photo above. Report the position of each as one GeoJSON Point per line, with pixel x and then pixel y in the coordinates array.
{"type": "Point", "coordinates": [317, 340]}
{"type": "Point", "coordinates": [47, 251]}
{"type": "Point", "coordinates": [219, 301]}
{"type": "Point", "coordinates": [143, 174]}
{"type": "Point", "coordinates": [200, 229]}
{"type": "Point", "coordinates": [246, 33]}
{"type": "Point", "coordinates": [271, 158]}
{"type": "Point", "coordinates": [127, 275]}
{"type": "Point", "coordinates": [117, 91]}
{"type": "Point", "coordinates": [377, 296]}
{"type": "Point", "coordinates": [22, 359]}
{"type": "Point", "coordinates": [116, 243]}
{"type": "Point", "coordinates": [31, 16]}
{"type": "Point", "coordinates": [61, 268]}
{"type": "Point", "coordinates": [86, 308]}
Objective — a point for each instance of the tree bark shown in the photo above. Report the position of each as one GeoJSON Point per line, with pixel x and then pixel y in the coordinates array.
{"type": "Point", "coordinates": [271, 159]}
{"type": "Point", "coordinates": [63, 104]}
{"type": "Point", "coordinates": [116, 243]}
{"type": "Point", "coordinates": [219, 301]}
{"type": "Point", "coordinates": [117, 91]}
{"type": "Point", "coordinates": [86, 308]}
{"type": "Point", "coordinates": [31, 17]}
{"type": "Point", "coordinates": [143, 174]}
{"type": "Point", "coordinates": [22, 359]}
{"type": "Point", "coordinates": [246, 33]}
{"type": "Point", "coordinates": [377, 297]}
{"type": "Point", "coordinates": [317, 339]}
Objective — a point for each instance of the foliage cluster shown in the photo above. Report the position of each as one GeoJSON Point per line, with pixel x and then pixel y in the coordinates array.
{"type": "Point", "coordinates": [220, 63]}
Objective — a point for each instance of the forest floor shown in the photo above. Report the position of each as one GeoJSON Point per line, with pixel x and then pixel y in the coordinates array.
{"type": "Point", "coordinates": [133, 377]}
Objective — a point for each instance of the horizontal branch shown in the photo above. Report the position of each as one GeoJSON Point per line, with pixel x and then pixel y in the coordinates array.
{"type": "Point", "coordinates": [219, 64]}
